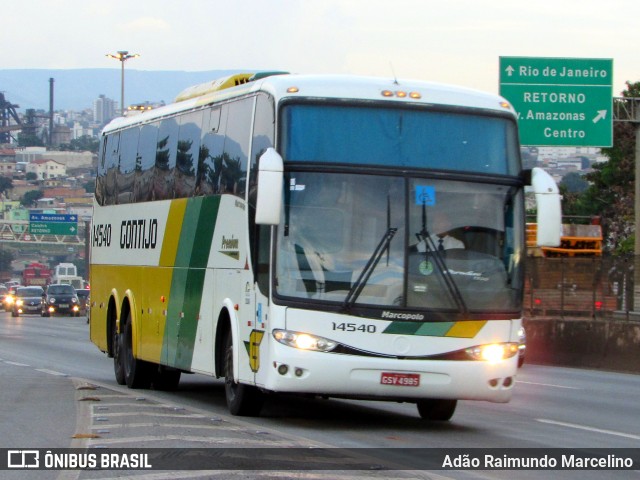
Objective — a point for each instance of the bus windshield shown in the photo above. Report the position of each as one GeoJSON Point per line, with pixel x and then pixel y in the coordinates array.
{"type": "Point", "coordinates": [400, 137]}
{"type": "Point", "coordinates": [401, 242]}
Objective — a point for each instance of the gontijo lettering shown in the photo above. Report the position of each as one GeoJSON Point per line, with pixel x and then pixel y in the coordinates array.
{"type": "Point", "coordinates": [139, 233]}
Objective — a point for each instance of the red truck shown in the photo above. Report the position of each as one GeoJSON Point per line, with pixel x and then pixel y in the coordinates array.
{"type": "Point", "coordinates": [36, 273]}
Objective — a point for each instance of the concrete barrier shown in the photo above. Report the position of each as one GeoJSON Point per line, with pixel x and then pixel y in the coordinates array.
{"type": "Point", "coordinates": [602, 344]}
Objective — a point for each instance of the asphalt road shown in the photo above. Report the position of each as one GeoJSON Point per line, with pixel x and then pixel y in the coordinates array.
{"type": "Point", "coordinates": [55, 385]}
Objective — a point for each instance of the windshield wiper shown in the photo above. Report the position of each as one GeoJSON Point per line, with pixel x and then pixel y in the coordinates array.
{"type": "Point", "coordinates": [445, 273]}
{"type": "Point", "coordinates": [359, 284]}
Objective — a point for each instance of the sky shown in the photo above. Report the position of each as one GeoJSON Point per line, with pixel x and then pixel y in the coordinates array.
{"type": "Point", "coordinates": [454, 41]}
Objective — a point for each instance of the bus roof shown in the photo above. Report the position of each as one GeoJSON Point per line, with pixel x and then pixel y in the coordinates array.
{"type": "Point", "coordinates": [282, 85]}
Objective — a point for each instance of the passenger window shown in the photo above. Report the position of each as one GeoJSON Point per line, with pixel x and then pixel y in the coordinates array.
{"type": "Point", "coordinates": [211, 152]}
{"type": "Point", "coordinates": [111, 169]}
{"type": "Point", "coordinates": [145, 162]}
{"type": "Point", "coordinates": [233, 177]}
{"type": "Point", "coordinates": [187, 154]}
{"type": "Point", "coordinates": [166, 150]}
{"type": "Point", "coordinates": [127, 154]}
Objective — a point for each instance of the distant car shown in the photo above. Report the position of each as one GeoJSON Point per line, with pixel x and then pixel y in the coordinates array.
{"type": "Point", "coordinates": [27, 300]}
{"type": "Point", "coordinates": [60, 298]}
{"type": "Point", "coordinates": [10, 297]}
{"type": "Point", "coordinates": [83, 298]}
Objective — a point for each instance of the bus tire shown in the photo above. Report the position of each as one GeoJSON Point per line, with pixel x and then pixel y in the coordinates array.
{"type": "Point", "coordinates": [439, 410]}
{"type": "Point", "coordinates": [137, 373]}
{"type": "Point", "coordinates": [118, 357]}
{"type": "Point", "coordinates": [166, 379]}
{"type": "Point", "coordinates": [242, 400]}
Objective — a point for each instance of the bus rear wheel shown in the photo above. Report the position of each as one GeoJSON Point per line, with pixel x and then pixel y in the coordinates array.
{"type": "Point", "coordinates": [242, 400]}
{"type": "Point", "coordinates": [440, 410]}
{"type": "Point", "coordinates": [137, 373]}
{"type": "Point", "coordinates": [118, 354]}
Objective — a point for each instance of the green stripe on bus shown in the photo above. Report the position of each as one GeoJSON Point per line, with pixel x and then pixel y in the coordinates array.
{"type": "Point", "coordinates": [187, 284]}
{"type": "Point", "coordinates": [204, 231]}
{"type": "Point", "coordinates": [464, 329]}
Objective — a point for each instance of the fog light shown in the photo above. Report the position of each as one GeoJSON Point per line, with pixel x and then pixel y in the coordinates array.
{"type": "Point", "coordinates": [299, 372]}
{"type": "Point", "coordinates": [283, 369]}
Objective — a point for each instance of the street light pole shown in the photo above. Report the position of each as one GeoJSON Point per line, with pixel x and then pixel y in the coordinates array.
{"type": "Point", "coordinates": [122, 56]}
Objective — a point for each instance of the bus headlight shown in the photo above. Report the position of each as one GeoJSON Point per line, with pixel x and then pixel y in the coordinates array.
{"type": "Point", "coordinates": [493, 352]}
{"type": "Point", "coordinates": [304, 341]}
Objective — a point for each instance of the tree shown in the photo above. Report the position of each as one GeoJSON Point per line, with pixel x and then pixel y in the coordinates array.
{"type": "Point", "coordinates": [6, 257]}
{"type": "Point", "coordinates": [90, 186]}
{"type": "Point", "coordinates": [82, 144]}
{"type": "Point", "coordinates": [6, 184]}
{"type": "Point", "coordinates": [29, 141]}
{"type": "Point", "coordinates": [611, 193]}
{"type": "Point", "coordinates": [30, 198]}
{"type": "Point", "coordinates": [574, 183]}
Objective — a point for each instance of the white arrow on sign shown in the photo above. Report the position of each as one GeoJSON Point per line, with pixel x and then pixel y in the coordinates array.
{"type": "Point", "coordinates": [601, 116]}
{"type": "Point", "coordinates": [510, 70]}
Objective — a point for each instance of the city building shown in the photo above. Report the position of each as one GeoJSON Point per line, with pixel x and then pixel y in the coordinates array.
{"type": "Point", "coordinates": [104, 110]}
{"type": "Point", "coordinates": [47, 168]}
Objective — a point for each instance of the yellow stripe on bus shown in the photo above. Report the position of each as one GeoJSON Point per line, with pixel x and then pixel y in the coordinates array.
{"type": "Point", "coordinates": [466, 329]}
{"type": "Point", "coordinates": [172, 233]}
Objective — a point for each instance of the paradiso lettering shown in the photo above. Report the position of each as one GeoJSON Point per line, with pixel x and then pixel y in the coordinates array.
{"type": "Point", "coordinates": [139, 234]}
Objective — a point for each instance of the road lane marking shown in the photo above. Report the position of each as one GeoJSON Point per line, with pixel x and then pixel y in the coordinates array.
{"type": "Point", "coordinates": [51, 372]}
{"type": "Point", "coordinates": [589, 429]}
{"type": "Point", "coordinates": [16, 364]}
{"type": "Point", "coordinates": [549, 385]}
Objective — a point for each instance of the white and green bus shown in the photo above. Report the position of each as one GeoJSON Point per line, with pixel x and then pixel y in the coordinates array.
{"type": "Point", "coordinates": [283, 232]}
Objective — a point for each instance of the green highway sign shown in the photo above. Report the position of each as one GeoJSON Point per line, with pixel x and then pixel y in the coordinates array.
{"type": "Point", "coordinates": [560, 101]}
{"type": "Point", "coordinates": [53, 228]}
{"type": "Point", "coordinates": [53, 224]}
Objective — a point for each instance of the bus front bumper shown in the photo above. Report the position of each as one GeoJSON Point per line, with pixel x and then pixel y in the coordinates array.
{"type": "Point", "coordinates": [353, 376]}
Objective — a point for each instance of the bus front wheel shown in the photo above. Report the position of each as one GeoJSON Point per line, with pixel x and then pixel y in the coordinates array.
{"type": "Point", "coordinates": [440, 410]}
{"type": "Point", "coordinates": [242, 400]}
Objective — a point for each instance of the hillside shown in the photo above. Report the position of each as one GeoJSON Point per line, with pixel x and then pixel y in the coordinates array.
{"type": "Point", "coordinates": [77, 89]}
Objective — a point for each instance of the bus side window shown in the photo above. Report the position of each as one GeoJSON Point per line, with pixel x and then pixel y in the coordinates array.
{"type": "Point", "coordinates": [210, 156]}
{"type": "Point", "coordinates": [165, 159]}
{"type": "Point", "coordinates": [145, 162]}
{"type": "Point", "coordinates": [127, 154]}
{"type": "Point", "coordinates": [260, 235]}
{"type": "Point", "coordinates": [110, 169]}
{"type": "Point", "coordinates": [187, 155]}
{"type": "Point", "coordinates": [101, 177]}
{"type": "Point", "coordinates": [233, 177]}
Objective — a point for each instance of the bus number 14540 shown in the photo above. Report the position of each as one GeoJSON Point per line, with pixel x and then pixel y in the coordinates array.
{"type": "Point", "coordinates": [354, 327]}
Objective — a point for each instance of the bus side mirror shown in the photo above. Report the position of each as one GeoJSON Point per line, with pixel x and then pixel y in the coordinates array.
{"type": "Point", "coordinates": [270, 180]}
{"type": "Point", "coordinates": [549, 216]}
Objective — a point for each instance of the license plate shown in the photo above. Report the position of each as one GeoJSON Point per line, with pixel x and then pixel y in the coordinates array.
{"type": "Point", "coordinates": [63, 305]}
{"type": "Point", "coordinates": [400, 379]}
